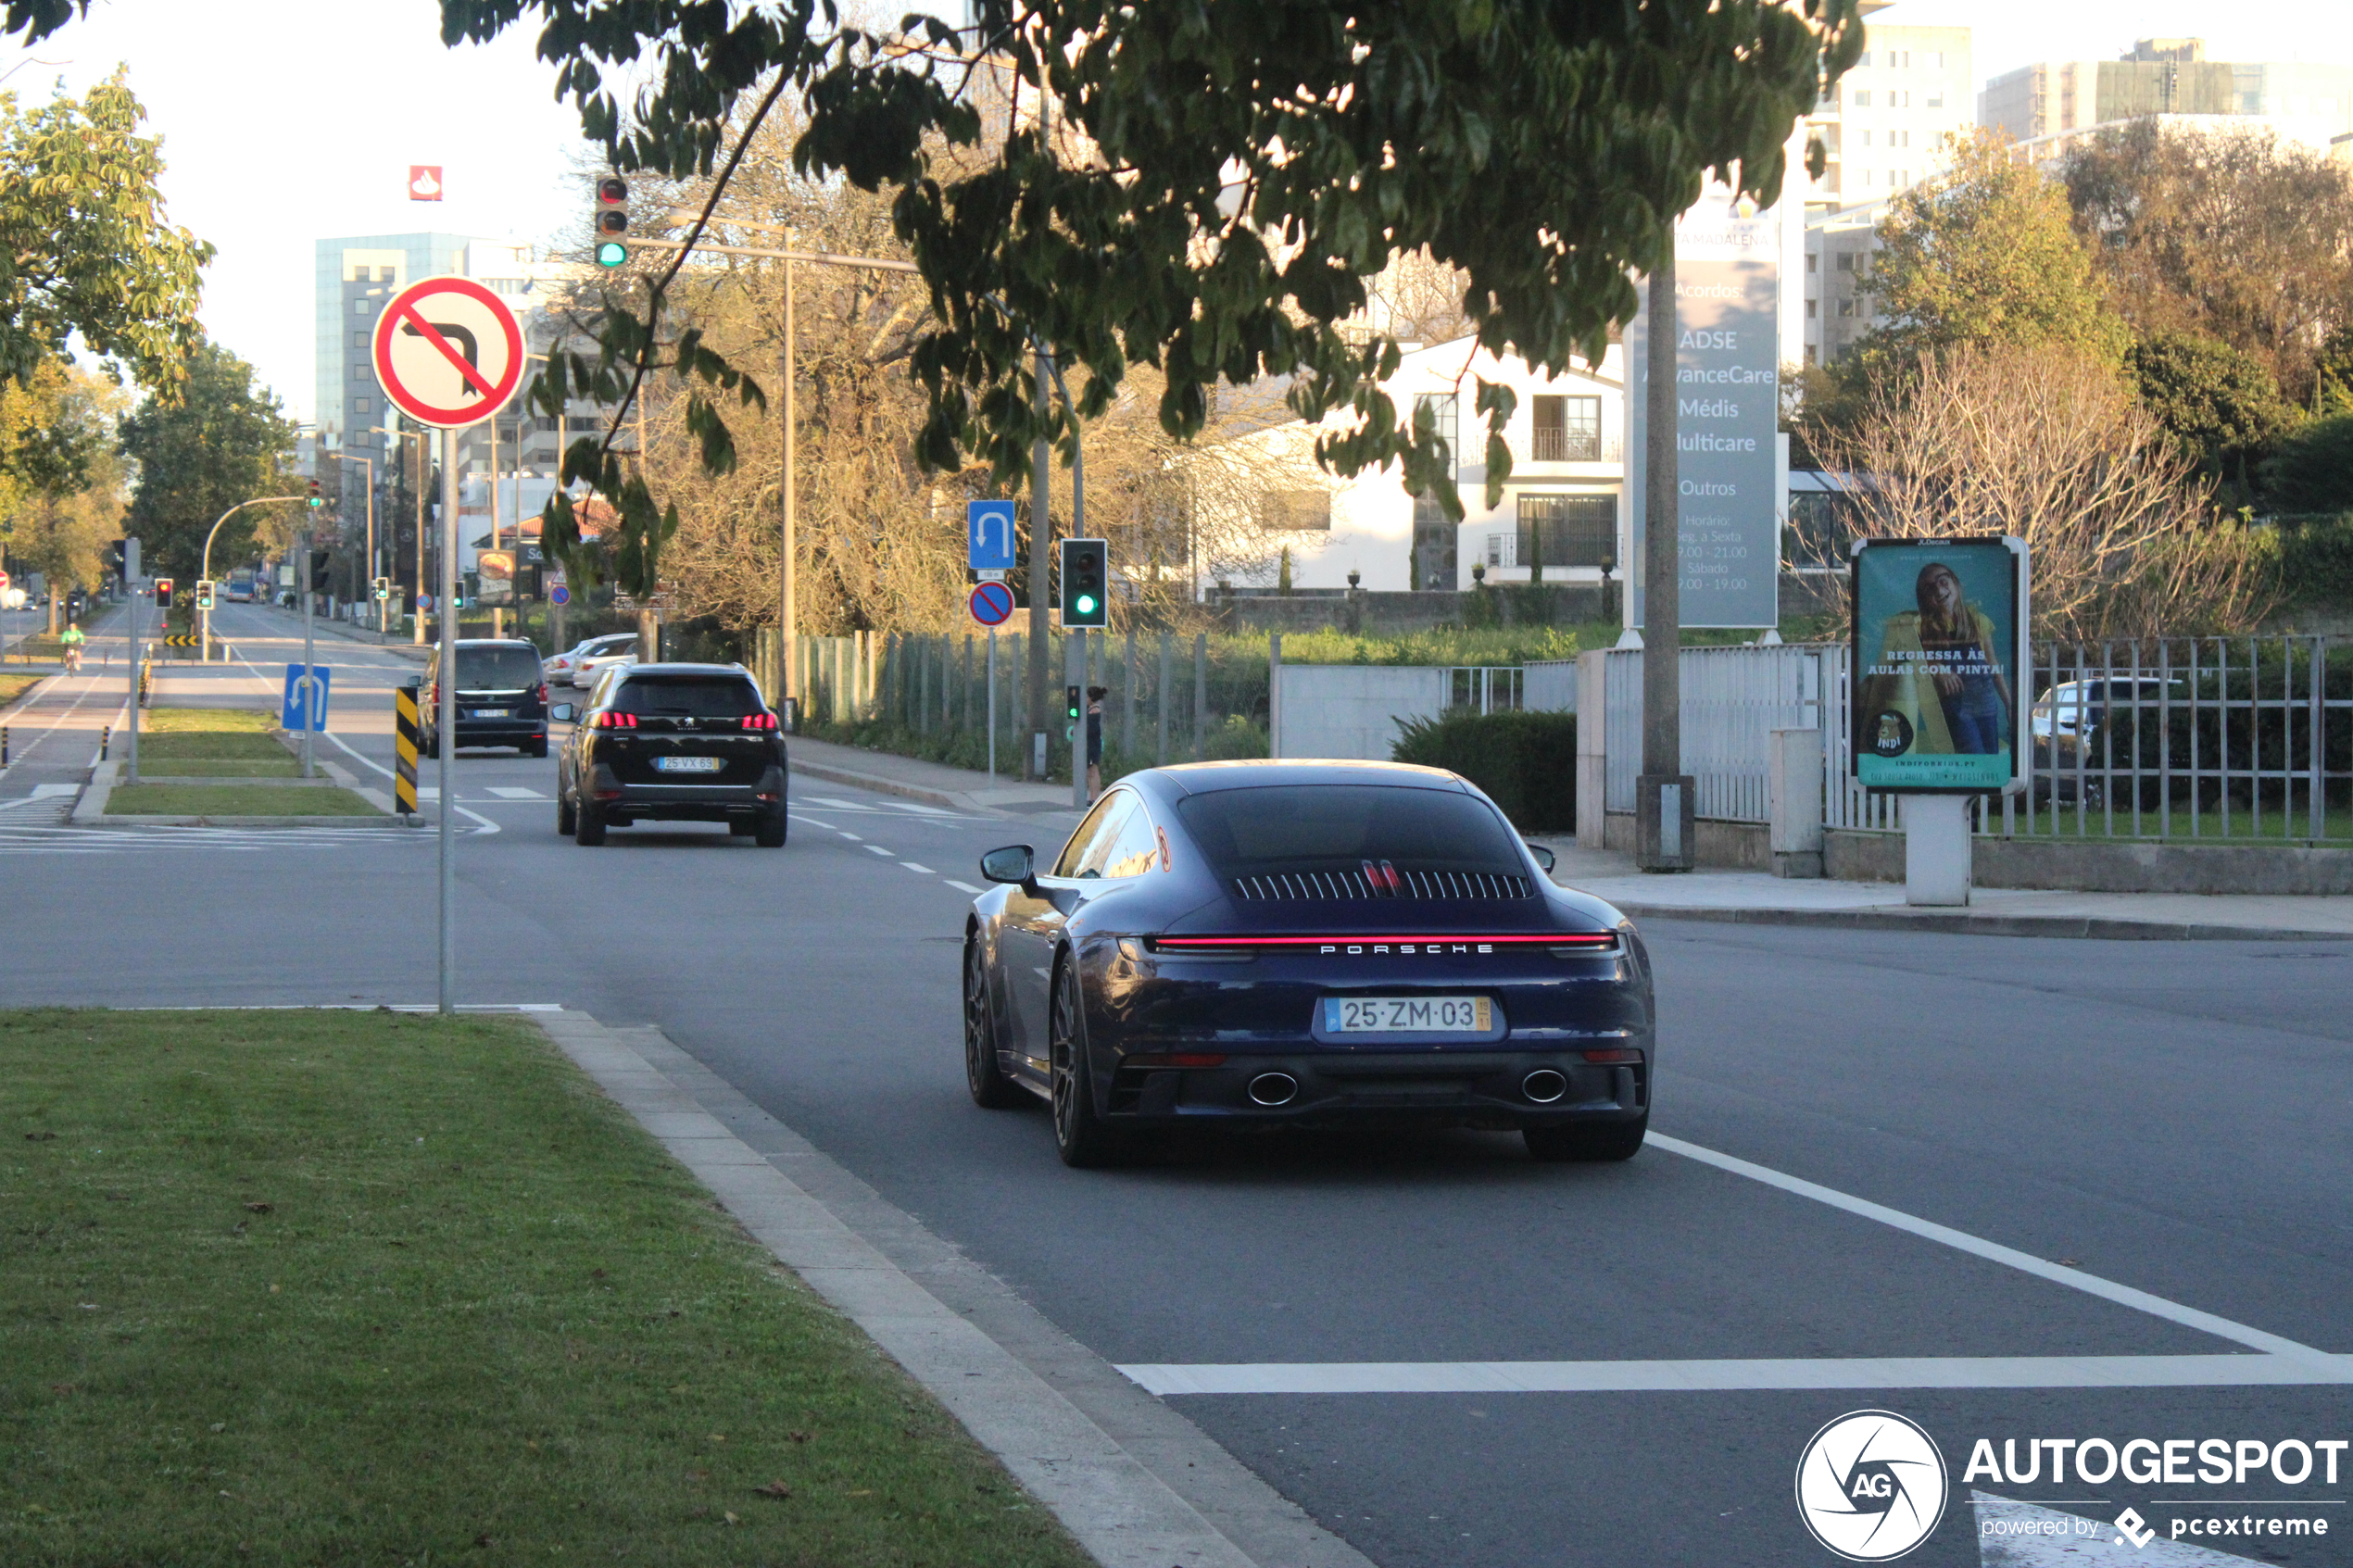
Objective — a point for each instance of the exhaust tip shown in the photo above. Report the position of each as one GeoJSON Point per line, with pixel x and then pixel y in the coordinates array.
{"type": "Point", "coordinates": [1543, 1085]}
{"type": "Point", "coordinates": [1271, 1089]}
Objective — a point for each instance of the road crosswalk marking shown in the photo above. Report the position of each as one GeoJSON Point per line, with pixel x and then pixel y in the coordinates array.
{"type": "Point", "coordinates": [26, 839]}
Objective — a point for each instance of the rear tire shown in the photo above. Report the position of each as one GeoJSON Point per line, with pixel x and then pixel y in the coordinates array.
{"type": "Point", "coordinates": [588, 825]}
{"type": "Point", "coordinates": [1080, 1136]}
{"type": "Point", "coordinates": [1587, 1141]}
{"type": "Point", "coordinates": [771, 831]}
{"type": "Point", "coordinates": [536, 749]}
{"type": "Point", "coordinates": [991, 1090]}
{"type": "Point", "coordinates": [566, 818]}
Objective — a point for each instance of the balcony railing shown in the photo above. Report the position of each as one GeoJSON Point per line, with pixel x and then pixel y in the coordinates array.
{"type": "Point", "coordinates": [1552, 444]}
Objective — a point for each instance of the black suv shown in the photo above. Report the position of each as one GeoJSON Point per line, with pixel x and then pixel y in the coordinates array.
{"type": "Point", "coordinates": [501, 698]}
{"type": "Point", "coordinates": [690, 743]}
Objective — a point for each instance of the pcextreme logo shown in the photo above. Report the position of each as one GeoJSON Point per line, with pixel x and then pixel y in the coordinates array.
{"type": "Point", "coordinates": [1872, 1486]}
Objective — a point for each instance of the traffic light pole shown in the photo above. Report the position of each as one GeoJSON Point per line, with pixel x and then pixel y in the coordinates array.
{"type": "Point", "coordinates": [309, 684]}
{"type": "Point", "coordinates": [130, 754]}
{"type": "Point", "coordinates": [204, 572]}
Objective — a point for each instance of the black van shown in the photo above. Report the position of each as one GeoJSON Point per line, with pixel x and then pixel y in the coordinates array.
{"type": "Point", "coordinates": [501, 697]}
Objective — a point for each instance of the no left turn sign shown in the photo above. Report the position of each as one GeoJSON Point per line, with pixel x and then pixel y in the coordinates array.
{"type": "Point", "coordinates": [448, 352]}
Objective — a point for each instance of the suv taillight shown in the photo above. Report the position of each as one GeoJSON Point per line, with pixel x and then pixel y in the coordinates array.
{"type": "Point", "coordinates": [761, 722]}
{"type": "Point", "coordinates": [613, 721]}
{"type": "Point", "coordinates": [543, 690]}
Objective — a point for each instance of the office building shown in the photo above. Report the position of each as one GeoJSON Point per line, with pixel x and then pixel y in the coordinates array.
{"type": "Point", "coordinates": [2052, 103]}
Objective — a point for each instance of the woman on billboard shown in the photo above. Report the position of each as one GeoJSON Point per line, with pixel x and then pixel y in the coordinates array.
{"type": "Point", "coordinates": [1938, 680]}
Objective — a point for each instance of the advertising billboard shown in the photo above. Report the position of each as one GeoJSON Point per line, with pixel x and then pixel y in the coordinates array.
{"type": "Point", "coordinates": [1940, 646]}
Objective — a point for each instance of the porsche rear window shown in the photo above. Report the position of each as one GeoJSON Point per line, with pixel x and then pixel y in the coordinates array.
{"type": "Point", "coordinates": [1282, 828]}
{"type": "Point", "coordinates": [687, 697]}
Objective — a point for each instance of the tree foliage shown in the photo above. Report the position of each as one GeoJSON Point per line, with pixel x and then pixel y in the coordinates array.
{"type": "Point", "coordinates": [2226, 233]}
{"type": "Point", "coordinates": [58, 522]}
{"type": "Point", "coordinates": [1204, 190]}
{"type": "Point", "coordinates": [1987, 254]}
{"type": "Point", "coordinates": [2312, 469]}
{"type": "Point", "coordinates": [2220, 404]}
{"type": "Point", "coordinates": [84, 250]}
{"type": "Point", "coordinates": [222, 441]}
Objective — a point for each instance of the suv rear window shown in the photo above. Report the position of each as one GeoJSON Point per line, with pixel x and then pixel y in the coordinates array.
{"type": "Point", "coordinates": [687, 696]}
{"type": "Point", "coordinates": [498, 667]}
{"type": "Point", "coordinates": [1296, 828]}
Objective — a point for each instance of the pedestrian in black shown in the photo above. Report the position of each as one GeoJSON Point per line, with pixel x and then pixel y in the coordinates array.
{"type": "Point", "coordinates": [1095, 740]}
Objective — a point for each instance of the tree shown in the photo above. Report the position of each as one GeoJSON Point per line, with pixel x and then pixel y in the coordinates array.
{"type": "Point", "coordinates": [1987, 254]}
{"type": "Point", "coordinates": [2312, 469]}
{"type": "Point", "coordinates": [2225, 234]}
{"type": "Point", "coordinates": [2049, 444]}
{"type": "Point", "coordinates": [84, 250]}
{"type": "Point", "coordinates": [221, 442]}
{"type": "Point", "coordinates": [61, 528]}
{"type": "Point", "coordinates": [1205, 199]}
{"type": "Point", "coordinates": [2220, 404]}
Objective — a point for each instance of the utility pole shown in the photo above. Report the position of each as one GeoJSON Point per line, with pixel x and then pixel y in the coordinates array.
{"type": "Point", "coordinates": [1041, 535]}
{"type": "Point", "coordinates": [787, 646]}
{"type": "Point", "coordinates": [310, 676]}
{"type": "Point", "coordinates": [1663, 818]}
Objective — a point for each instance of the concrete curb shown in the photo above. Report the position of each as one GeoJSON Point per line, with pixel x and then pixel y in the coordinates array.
{"type": "Point", "coordinates": [2077, 926]}
{"type": "Point", "coordinates": [953, 800]}
{"type": "Point", "coordinates": [1136, 1483]}
{"type": "Point", "coordinates": [127, 820]}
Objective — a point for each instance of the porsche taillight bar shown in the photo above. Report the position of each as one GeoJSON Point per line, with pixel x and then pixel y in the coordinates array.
{"type": "Point", "coordinates": [1361, 939]}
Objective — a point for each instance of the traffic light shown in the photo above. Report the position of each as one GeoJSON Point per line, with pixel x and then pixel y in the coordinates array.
{"type": "Point", "coordinates": [1072, 707]}
{"type": "Point", "coordinates": [612, 221]}
{"type": "Point", "coordinates": [316, 500]}
{"type": "Point", "coordinates": [204, 593]}
{"type": "Point", "coordinates": [163, 593]}
{"type": "Point", "coordinates": [1086, 584]}
{"type": "Point", "coordinates": [124, 558]}
{"type": "Point", "coordinates": [382, 587]}
{"type": "Point", "coordinates": [320, 560]}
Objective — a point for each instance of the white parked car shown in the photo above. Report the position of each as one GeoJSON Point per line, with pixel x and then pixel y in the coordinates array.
{"type": "Point", "coordinates": [571, 668]}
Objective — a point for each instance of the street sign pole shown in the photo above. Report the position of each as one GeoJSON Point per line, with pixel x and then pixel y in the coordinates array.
{"type": "Point", "coordinates": [445, 719]}
{"type": "Point", "coordinates": [309, 680]}
{"type": "Point", "coordinates": [130, 753]}
{"type": "Point", "coordinates": [992, 702]}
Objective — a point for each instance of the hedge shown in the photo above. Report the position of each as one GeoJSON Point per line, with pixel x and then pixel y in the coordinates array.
{"type": "Point", "coordinates": [1526, 762]}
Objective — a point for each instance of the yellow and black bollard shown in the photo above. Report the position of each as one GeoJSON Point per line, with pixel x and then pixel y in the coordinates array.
{"type": "Point", "coordinates": [405, 739]}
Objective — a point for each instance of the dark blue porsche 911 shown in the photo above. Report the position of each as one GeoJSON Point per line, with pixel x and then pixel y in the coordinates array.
{"type": "Point", "coordinates": [1314, 944]}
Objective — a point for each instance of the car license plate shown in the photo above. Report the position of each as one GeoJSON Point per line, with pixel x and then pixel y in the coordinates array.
{"type": "Point", "coordinates": [1407, 1015]}
{"type": "Point", "coordinates": [687, 764]}
{"type": "Point", "coordinates": [491, 712]}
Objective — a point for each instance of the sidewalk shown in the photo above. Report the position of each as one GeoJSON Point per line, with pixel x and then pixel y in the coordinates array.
{"type": "Point", "coordinates": [1758, 896]}
{"type": "Point", "coordinates": [957, 789]}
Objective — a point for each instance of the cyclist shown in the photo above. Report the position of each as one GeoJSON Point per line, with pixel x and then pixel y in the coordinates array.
{"type": "Point", "coordinates": [72, 639]}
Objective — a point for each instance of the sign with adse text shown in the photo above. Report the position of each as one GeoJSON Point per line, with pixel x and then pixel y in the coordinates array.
{"type": "Point", "coordinates": [1940, 643]}
{"type": "Point", "coordinates": [1727, 412]}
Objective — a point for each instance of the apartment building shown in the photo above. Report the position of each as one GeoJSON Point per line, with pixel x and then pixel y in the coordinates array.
{"type": "Point", "coordinates": [2052, 103]}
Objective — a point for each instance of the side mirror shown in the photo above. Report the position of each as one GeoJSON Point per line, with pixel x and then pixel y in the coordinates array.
{"type": "Point", "coordinates": [563, 713]}
{"type": "Point", "coordinates": [1016, 863]}
{"type": "Point", "coordinates": [1544, 856]}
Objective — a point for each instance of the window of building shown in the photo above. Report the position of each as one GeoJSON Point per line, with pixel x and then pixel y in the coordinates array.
{"type": "Point", "coordinates": [360, 307]}
{"type": "Point", "coordinates": [1866, 61]}
{"type": "Point", "coordinates": [1936, 100]}
{"type": "Point", "coordinates": [1934, 59]}
{"type": "Point", "coordinates": [1845, 261]}
{"type": "Point", "coordinates": [1810, 309]}
{"type": "Point", "coordinates": [1862, 97]}
{"type": "Point", "coordinates": [1846, 308]}
{"type": "Point", "coordinates": [1812, 356]}
{"type": "Point", "coordinates": [360, 372]}
{"type": "Point", "coordinates": [1503, 549]}
{"type": "Point", "coordinates": [1866, 138]}
{"type": "Point", "coordinates": [1442, 407]}
{"type": "Point", "coordinates": [1810, 259]}
{"type": "Point", "coordinates": [362, 404]}
{"type": "Point", "coordinates": [1568, 530]}
{"type": "Point", "coordinates": [1568, 429]}
{"type": "Point", "coordinates": [359, 341]}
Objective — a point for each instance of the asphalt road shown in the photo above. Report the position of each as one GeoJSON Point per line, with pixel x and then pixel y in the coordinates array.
{"type": "Point", "coordinates": [2177, 1118]}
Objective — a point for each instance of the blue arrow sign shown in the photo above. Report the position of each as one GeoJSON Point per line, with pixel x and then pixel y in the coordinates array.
{"type": "Point", "coordinates": [989, 529]}
{"type": "Point", "coordinates": [290, 716]}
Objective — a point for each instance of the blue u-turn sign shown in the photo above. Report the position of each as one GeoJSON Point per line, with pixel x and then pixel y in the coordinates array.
{"type": "Point", "coordinates": [291, 716]}
{"type": "Point", "coordinates": [989, 529]}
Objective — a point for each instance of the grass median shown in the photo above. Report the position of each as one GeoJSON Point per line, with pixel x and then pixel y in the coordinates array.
{"type": "Point", "coordinates": [232, 799]}
{"type": "Point", "coordinates": [14, 686]}
{"type": "Point", "coordinates": [293, 1288]}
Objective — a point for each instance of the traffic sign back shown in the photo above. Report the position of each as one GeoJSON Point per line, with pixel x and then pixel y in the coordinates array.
{"type": "Point", "coordinates": [992, 604]}
{"type": "Point", "coordinates": [989, 535]}
{"type": "Point", "coordinates": [448, 352]}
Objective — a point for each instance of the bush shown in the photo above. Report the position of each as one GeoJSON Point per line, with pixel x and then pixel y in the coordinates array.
{"type": "Point", "coordinates": [1526, 762]}
{"type": "Point", "coordinates": [2316, 560]}
{"type": "Point", "coordinates": [2312, 470]}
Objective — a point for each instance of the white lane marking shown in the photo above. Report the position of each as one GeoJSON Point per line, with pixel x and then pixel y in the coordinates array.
{"type": "Point", "coordinates": [1961, 1241]}
{"type": "Point", "coordinates": [913, 867]}
{"type": "Point", "coordinates": [878, 849]}
{"type": "Point", "coordinates": [39, 693]}
{"type": "Point", "coordinates": [512, 791]}
{"type": "Point", "coordinates": [919, 811]}
{"type": "Point", "coordinates": [422, 794]}
{"type": "Point", "coordinates": [836, 805]}
{"type": "Point", "coordinates": [852, 836]}
{"type": "Point", "coordinates": [813, 822]}
{"type": "Point", "coordinates": [960, 887]}
{"type": "Point", "coordinates": [1696, 1377]}
{"type": "Point", "coordinates": [50, 791]}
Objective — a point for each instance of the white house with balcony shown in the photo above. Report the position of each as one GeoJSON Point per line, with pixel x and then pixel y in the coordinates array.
{"type": "Point", "coordinates": [1561, 516]}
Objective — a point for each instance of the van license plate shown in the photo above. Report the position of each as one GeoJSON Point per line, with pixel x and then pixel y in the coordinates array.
{"type": "Point", "coordinates": [1407, 1015]}
{"type": "Point", "coordinates": [492, 712]}
{"type": "Point", "coordinates": [687, 764]}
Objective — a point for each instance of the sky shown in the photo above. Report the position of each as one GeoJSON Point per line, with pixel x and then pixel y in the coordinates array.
{"type": "Point", "coordinates": [300, 121]}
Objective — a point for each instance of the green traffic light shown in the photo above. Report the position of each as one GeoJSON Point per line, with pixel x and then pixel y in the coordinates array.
{"type": "Point", "coordinates": [612, 253]}
{"type": "Point", "coordinates": [1086, 603]}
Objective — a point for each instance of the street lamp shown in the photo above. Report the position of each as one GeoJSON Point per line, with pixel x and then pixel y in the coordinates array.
{"type": "Point", "coordinates": [369, 464]}
{"type": "Point", "coordinates": [205, 570]}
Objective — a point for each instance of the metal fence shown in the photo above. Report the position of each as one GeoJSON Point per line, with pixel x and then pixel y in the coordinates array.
{"type": "Point", "coordinates": [2221, 739]}
{"type": "Point", "coordinates": [1488, 688]}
